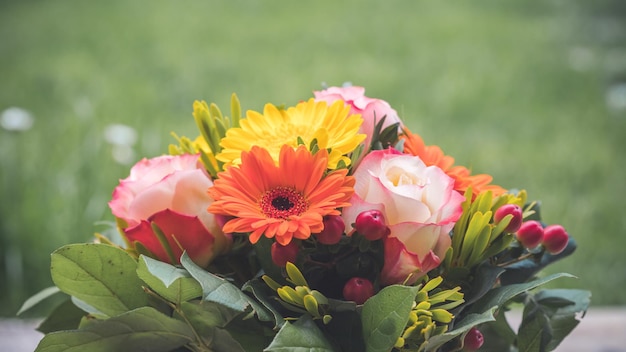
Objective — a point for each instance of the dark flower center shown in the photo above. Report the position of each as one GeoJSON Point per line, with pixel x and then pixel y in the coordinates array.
{"type": "Point", "coordinates": [282, 202]}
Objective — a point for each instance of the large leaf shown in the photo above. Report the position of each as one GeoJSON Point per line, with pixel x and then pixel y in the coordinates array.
{"type": "Point", "coordinates": [174, 284]}
{"type": "Point", "coordinates": [65, 316]}
{"type": "Point", "coordinates": [264, 294]}
{"type": "Point", "coordinates": [385, 315]}
{"type": "Point", "coordinates": [204, 315]}
{"type": "Point", "coordinates": [250, 333]}
{"type": "Point", "coordinates": [534, 332]}
{"type": "Point", "coordinates": [142, 329]}
{"type": "Point", "coordinates": [102, 276]}
{"type": "Point", "coordinates": [218, 290]}
{"type": "Point", "coordinates": [301, 336]}
{"type": "Point", "coordinates": [499, 296]}
{"type": "Point", "coordinates": [485, 278]}
{"type": "Point", "coordinates": [549, 316]}
{"type": "Point", "coordinates": [38, 298]}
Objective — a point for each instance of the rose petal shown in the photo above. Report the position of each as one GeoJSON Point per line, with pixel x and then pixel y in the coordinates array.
{"type": "Point", "coordinates": [402, 265]}
{"type": "Point", "coordinates": [180, 230]}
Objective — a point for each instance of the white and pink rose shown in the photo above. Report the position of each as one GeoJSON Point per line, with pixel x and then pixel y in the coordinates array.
{"type": "Point", "coordinates": [419, 205]}
{"type": "Point", "coordinates": [171, 192]}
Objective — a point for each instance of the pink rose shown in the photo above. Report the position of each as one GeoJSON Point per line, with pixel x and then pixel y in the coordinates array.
{"type": "Point", "coordinates": [419, 204]}
{"type": "Point", "coordinates": [372, 110]}
{"type": "Point", "coordinates": [170, 191]}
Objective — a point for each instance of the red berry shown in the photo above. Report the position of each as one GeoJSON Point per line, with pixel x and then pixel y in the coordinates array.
{"type": "Point", "coordinates": [283, 254]}
{"type": "Point", "coordinates": [555, 239]}
{"type": "Point", "coordinates": [516, 220]}
{"type": "Point", "coordinates": [358, 290]}
{"type": "Point", "coordinates": [473, 340]}
{"type": "Point", "coordinates": [333, 230]}
{"type": "Point", "coordinates": [371, 224]}
{"type": "Point", "coordinates": [530, 234]}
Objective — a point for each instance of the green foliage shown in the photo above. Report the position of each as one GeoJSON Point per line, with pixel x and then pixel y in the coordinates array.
{"type": "Point", "coordinates": [131, 331]}
{"type": "Point", "coordinates": [100, 275]}
{"type": "Point", "coordinates": [301, 336]}
{"type": "Point", "coordinates": [385, 316]}
{"type": "Point", "coordinates": [171, 283]}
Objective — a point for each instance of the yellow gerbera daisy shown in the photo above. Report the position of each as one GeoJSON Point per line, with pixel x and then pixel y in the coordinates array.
{"type": "Point", "coordinates": [332, 126]}
{"type": "Point", "coordinates": [283, 201]}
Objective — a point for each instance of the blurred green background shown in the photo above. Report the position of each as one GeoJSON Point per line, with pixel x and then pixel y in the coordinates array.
{"type": "Point", "coordinates": [533, 92]}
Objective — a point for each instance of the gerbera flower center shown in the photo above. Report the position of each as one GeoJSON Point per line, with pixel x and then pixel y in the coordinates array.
{"type": "Point", "coordinates": [282, 202]}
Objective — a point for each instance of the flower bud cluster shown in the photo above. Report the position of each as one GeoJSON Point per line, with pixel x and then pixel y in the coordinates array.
{"type": "Point", "coordinates": [300, 296]}
{"type": "Point", "coordinates": [531, 233]}
{"type": "Point", "coordinates": [430, 314]}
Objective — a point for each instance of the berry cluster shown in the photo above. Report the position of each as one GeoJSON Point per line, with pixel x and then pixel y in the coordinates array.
{"type": "Point", "coordinates": [531, 233]}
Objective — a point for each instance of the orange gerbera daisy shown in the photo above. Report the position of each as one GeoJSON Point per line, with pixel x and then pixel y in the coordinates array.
{"type": "Point", "coordinates": [463, 179]}
{"type": "Point", "coordinates": [283, 201]}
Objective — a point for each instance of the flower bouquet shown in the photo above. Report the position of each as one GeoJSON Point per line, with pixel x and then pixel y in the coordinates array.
{"type": "Point", "coordinates": [324, 226]}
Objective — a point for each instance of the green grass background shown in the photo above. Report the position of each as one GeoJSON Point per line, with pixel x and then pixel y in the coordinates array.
{"type": "Point", "coordinates": [511, 88]}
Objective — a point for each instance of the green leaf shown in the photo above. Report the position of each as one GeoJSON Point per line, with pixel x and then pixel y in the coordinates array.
{"type": "Point", "coordinates": [222, 341]}
{"type": "Point", "coordinates": [499, 296]}
{"type": "Point", "coordinates": [385, 315]}
{"type": "Point", "coordinates": [534, 332]}
{"type": "Point", "coordinates": [101, 275]}
{"type": "Point", "coordinates": [263, 293]}
{"type": "Point", "coordinates": [38, 298]}
{"type": "Point", "coordinates": [215, 289]}
{"type": "Point", "coordinates": [66, 316]}
{"type": "Point", "coordinates": [561, 307]}
{"type": "Point", "coordinates": [142, 329]}
{"type": "Point", "coordinates": [460, 328]}
{"type": "Point", "coordinates": [485, 277]}
{"type": "Point", "coordinates": [301, 336]}
{"type": "Point", "coordinates": [250, 333]}
{"type": "Point", "coordinates": [174, 284]}
{"type": "Point", "coordinates": [203, 315]}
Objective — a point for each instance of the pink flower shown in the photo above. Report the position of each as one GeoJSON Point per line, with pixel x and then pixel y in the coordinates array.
{"type": "Point", "coordinates": [419, 204]}
{"type": "Point", "coordinates": [171, 192]}
{"type": "Point", "coordinates": [371, 110]}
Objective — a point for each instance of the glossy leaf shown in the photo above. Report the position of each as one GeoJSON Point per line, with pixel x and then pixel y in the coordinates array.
{"type": "Point", "coordinates": [172, 283]}
{"type": "Point", "coordinates": [301, 336]}
{"type": "Point", "coordinates": [102, 276]}
{"type": "Point", "coordinates": [38, 298]}
{"type": "Point", "coordinates": [557, 310]}
{"type": "Point", "coordinates": [142, 329]}
{"type": "Point", "coordinates": [218, 290]}
{"type": "Point", "coordinates": [65, 316]}
{"type": "Point", "coordinates": [263, 293]}
{"type": "Point", "coordinates": [203, 315]}
{"type": "Point", "coordinates": [385, 315]}
{"type": "Point", "coordinates": [501, 295]}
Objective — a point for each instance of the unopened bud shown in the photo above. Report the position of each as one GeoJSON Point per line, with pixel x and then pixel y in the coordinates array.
{"type": "Point", "coordinates": [530, 234]}
{"type": "Point", "coordinates": [473, 340]}
{"type": "Point", "coordinates": [555, 239]}
{"type": "Point", "coordinates": [358, 290]}
{"type": "Point", "coordinates": [516, 220]}
{"type": "Point", "coordinates": [371, 225]}
{"type": "Point", "coordinates": [333, 230]}
{"type": "Point", "coordinates": [283, 254]}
